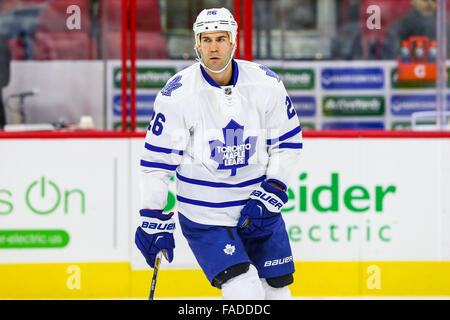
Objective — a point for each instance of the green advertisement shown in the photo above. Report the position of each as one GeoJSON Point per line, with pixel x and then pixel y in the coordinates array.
{"type": "Point", "coordinates": [33, 239]}
{"type": "Point", "coordinates": [146, 77]}
{"type": "Point", "coordinates": [296, 79]}
{"type": "Point", "coordinates": [42, 197]}
{"type": "Point", "coordinates": [59, 199]}
{"type": "Point", "coordinates": [337, 106]}
{"type": "Point", "coordinates": [356, 200]}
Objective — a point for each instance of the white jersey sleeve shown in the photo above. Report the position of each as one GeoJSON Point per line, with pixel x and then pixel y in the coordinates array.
{"type": "Point", "coordinates": [284, 137]}
{"type": "Point", "coordinates": [165, 143]}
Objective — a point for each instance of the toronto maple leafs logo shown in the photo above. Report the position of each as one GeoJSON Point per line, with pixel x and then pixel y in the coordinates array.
{"type": "Point", "coordinates": [235, 152]}
{"type": "Point", "coordinates": [171, 86]}
{"type": "Point", "coordinates": [229, 249]}
{"type": "Point", "coordinates": [270, 73]}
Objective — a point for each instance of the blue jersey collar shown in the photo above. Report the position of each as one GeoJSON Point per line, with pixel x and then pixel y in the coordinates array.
{"type": "Point", "coordinates": [213, 83]}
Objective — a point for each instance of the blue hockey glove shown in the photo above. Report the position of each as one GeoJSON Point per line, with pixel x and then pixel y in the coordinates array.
{"type": "Point", "coordinates": [155, 233]}
{"type": "Point", "coordinates": [261, 214]}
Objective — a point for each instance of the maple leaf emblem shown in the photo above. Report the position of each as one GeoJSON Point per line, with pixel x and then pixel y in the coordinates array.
{"type": "Point", "coordinates": [229, 249]}
{"type": "Point", "coordinates": [171, 86]}
{"type": "Point", "coordinates": [270, 73]}
{"type": "Point", "coordinates": [235, 152]}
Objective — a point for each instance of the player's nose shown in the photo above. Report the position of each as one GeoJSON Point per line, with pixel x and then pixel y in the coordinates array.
{"type": "Point", "coordinates": [214, 47]}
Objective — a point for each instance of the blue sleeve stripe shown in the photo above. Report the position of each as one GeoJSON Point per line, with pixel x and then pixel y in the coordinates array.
{"type": "Point", "coordinates": [288, 145]}
{"type": "Point", "coordinates": [220, 184]}
{"type": "Point", "coordinates": [159, 165]}
{"type": "Point", "coordinates": [227, 204]}
{"type": "Point", "coordinates": [151, 147]}
{"type": "Point", "coordinates": [285, 136]}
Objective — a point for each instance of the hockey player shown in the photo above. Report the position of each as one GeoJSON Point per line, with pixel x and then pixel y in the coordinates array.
{"type": "Point", "coordinates": [229, 132]}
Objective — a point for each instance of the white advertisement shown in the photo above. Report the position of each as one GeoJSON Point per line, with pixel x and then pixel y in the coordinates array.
{"type": "Point", "coordinates": [377, 199]}
{"type": "Point", "coordinates": [64, 200]}
{"type": "Point", "coordinates": [370, 200]}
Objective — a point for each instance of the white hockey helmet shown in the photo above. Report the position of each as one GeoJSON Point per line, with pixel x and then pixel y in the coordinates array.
{"type": "Point", "coordinates": [214, 20]}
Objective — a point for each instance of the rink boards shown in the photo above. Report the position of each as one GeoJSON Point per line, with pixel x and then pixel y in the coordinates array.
{"type": "Point", "coordinates": [367, 215]}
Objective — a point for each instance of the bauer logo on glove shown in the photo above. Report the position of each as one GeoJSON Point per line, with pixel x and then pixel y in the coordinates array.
{"type": "Point", "coordinates": [271, 201]}
{"type": "Point", "coordinates": [157, 226]}
{"type": "Point", "coordinates": [261, 215]}
{"type": "Point", "coordinates": [154, 234]}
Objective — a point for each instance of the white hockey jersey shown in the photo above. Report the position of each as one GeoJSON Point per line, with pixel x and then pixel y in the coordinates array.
{"type": "Point", "coordinates": [219, 142]}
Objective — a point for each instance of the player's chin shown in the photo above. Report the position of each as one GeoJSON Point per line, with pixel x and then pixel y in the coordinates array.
{"type": "Point", "coordinates": [215, 65]}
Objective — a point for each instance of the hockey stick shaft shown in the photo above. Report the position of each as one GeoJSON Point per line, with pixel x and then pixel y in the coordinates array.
{"type": "Point", "coordinates": [155, 275]}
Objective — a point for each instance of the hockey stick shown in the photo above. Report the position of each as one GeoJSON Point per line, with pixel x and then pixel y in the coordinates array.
{"type": "Point", "coordinates": [155, 275]}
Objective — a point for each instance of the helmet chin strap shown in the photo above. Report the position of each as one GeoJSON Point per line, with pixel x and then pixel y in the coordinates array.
{"type": "Point", "coordinates": [199, 59]}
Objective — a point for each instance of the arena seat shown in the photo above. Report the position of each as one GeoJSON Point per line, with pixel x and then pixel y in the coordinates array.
{"type": "Point", "coordinates": [150, 43]}
{"type": "Point", "coordinates": [151, 46]}
{"type": "Point", "coordinates": [54, 16]}
{"type": "Point", "coordinates": [110, 15]}
{"type": "Point", "coordinates": [391, 11]}
{"type": "Point", "coordinates": [147, 16]}
{"type": "Point", "coordinates": [59, 46]}
{"type": "Point", "coordinates": [148, 46]}
{"type": "Point", "coordinates": [54, 40]}
{"type": "Point", "coordinates": [17, 48]}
